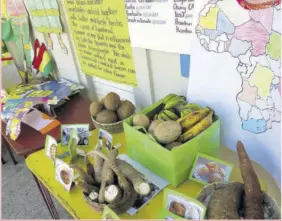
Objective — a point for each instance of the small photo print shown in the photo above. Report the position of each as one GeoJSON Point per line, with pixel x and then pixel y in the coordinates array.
{"type": "Point", "coordinates": [82, 131]}
{"type": "Point", "coordinates": [185, 208]}
{"type": "Point", "coordinates": [51, 147]}
{"type": "Point", "coordinates": [105, 139]}
{"type": "Point", "coordinates": [210, 170]}
{"type": "Point", "coordinates": [109, 214]}
{"type": "Point", "coordinates": [64, 174]}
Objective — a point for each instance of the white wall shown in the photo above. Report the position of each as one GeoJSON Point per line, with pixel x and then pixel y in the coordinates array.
{"type": "Point", "coordinates": [158, 73]}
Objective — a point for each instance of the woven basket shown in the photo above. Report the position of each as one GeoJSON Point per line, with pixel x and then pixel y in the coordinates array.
{"type": "Point", "coordinates": [129, 197]}
{"type": "Point", "coordinates": [111, 128]}
{"type": "Point", "coordinates": [271, 209]}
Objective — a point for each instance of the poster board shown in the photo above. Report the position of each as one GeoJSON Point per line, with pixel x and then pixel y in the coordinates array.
{"type": "Point", "coordinates": [162, 25]}
{"type": "Point", "coordinates": [236, 59]}
{"type": "Point", "coordinates": [100, 33]}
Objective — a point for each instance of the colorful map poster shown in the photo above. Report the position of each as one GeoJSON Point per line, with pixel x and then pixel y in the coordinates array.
{"type": "Point", "coordinates": [163, 25]}
{"type": "Point", "coordinates": [101, 38]}
{"type": "Point", "coordinates": [236, 70]}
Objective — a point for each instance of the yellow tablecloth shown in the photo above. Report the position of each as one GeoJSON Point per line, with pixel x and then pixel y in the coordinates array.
{"type": "Point", "coordinates": [43, 168]}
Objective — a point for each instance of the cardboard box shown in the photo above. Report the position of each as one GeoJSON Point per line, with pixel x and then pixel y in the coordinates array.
{"type": "Point", "coordinates": [174, 166]}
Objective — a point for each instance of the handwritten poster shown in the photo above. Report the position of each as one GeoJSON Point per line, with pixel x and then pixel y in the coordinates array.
{"type": "Point", "coordinates": [163, 25]}
{"type": "Point", "coordinates": [100, 32]}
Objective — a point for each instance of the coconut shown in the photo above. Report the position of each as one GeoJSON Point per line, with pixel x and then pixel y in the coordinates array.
{"type": "Point", "coordinates": [112, 101]}
{"type": "Point", "coordinates": [107, 117]}
{"type": "Point", "coordinates": [154, 125]}
{"type": "Point", "coordinates": [168, 132]}
{"type": "Point", "coordinates": [141, 120]}
{"type": "Point", "coordinates": [125, 110]}
{"type": "Point", "coordinates": [95, 108]}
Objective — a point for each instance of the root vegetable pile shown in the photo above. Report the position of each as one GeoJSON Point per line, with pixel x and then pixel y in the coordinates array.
{"type": "Point", "coordinates": [111, 181]}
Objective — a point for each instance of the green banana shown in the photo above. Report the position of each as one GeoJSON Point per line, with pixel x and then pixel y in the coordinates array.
{"type": "Point", "coordinates": [164, 116]}
{"type": "Point", "coordinates": [168, 98]}
{"type": "Point", "coordinates": [160, 117]}
{"type": "Point", "coordinates": [185, 112]}
{"type": "Point", "coordinates": [173, 102]}
{"type": "Point", "coordinates": [171, 114]}
{"type": "Point", "coordinates": [192, 106]}
{"type": "Point", "coordinates": [198, 128]}
{"type": "Point", "coordinates": [155, 116]}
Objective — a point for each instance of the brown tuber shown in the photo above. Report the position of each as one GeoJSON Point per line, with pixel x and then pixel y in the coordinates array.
{"type": "Point", "coordinates": [139, 184]}
{"type": "Point", "coordinates": [253, 198]}
{"type": "Point", "coordinates": [112, 194]}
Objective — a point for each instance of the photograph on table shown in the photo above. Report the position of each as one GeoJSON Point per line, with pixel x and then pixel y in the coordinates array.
{"type": "Point", "coordinates": [105, 139]}
{"type": "Point", "coordinates": [64, 174]}
{"type": "Point", "coordinates": [179, 205]}
{"type": "Point", "coordinates": [51, 147]}
{"type": "Point", "coordinates": [73, 142]}
{"type": "Point", "coordinates": [82, 131]}
{"type": "Point", "coordinates": [109, 214]}
{"type": "Point", "coordinates": [207, 169]}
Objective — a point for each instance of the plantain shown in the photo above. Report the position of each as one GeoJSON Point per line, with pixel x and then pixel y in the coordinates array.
{"type": "Point", "coordinates": [168, 98]}
{"type": "Point", "coordinates": [197, 128]}
{"type": "Point", "coordinates": [192, 118]}
{"type": "Point", "coordinates": [171, 114]}
{"type": "Point", "coordinates": [174, 102]}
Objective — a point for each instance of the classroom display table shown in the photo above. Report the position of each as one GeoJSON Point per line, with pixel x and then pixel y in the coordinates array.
{"type": "Point", "coordinates": [76, 110]}
{"type": "Point", "coordinates": [43, 168]}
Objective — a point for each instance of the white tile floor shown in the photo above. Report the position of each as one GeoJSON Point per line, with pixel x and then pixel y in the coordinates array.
{"type": "Point", "coordinates": [21, 198]}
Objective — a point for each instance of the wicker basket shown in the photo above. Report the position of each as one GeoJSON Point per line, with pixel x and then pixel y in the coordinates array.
{"type": "Point", "coordinates": [111, 128]}
{"type": "Point", "coordinates": [129, 196]}
{"type": "Point", "coordinates": [271, 209]}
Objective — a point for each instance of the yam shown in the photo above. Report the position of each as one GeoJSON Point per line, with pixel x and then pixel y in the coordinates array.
{"type": "Point", "coordinates": [225, 202]}
{"type": "Point", "coordinates": [98, 165]}
{"type": "Point", "coordinates": [253, 198]}
{"type": "Point", "coordinates": [83, 175]}
{"type": "Point", "coordinates": [140, 185]}
{"type": "Point", "coordinates": [112, 194]}
{"type": "Point", "coordinates": [107, 176]}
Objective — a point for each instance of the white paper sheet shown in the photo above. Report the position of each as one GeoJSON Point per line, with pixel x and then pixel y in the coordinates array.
{"type": "Point", "coordinates": [235, 71]}
{"type": "Point", "coordinates": [163, 25]}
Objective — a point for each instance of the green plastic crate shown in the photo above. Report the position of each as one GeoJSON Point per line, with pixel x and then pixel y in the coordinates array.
{"type": "Point", "coordinates": [174, 166]}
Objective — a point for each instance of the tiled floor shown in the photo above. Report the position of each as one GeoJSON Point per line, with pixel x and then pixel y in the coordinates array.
{"type": "Point", "coordinates": [20, 197]}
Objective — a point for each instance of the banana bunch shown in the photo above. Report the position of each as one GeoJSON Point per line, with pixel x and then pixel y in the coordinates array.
{"type": "Point", "coordinates": [173, 100]}
{"type": "Point", "coordinates": [195, 123]}
{"type": "Point", "coordinates": [189, 108]}
{"type": "Point", "coordinates": [166, 115]}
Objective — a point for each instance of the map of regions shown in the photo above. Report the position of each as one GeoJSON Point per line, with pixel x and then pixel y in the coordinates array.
{"type": "Point", "coordinates": [254, 40]}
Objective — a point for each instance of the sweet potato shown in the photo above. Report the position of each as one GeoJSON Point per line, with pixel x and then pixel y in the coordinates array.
{"type": "Point", "coordinates": [253, 198]}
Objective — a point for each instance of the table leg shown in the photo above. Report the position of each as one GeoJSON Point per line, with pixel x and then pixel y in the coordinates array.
{"type": "Point", "coordinates": [8, 148]}
{"type": "Point", "coordinates": [47, 198]}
